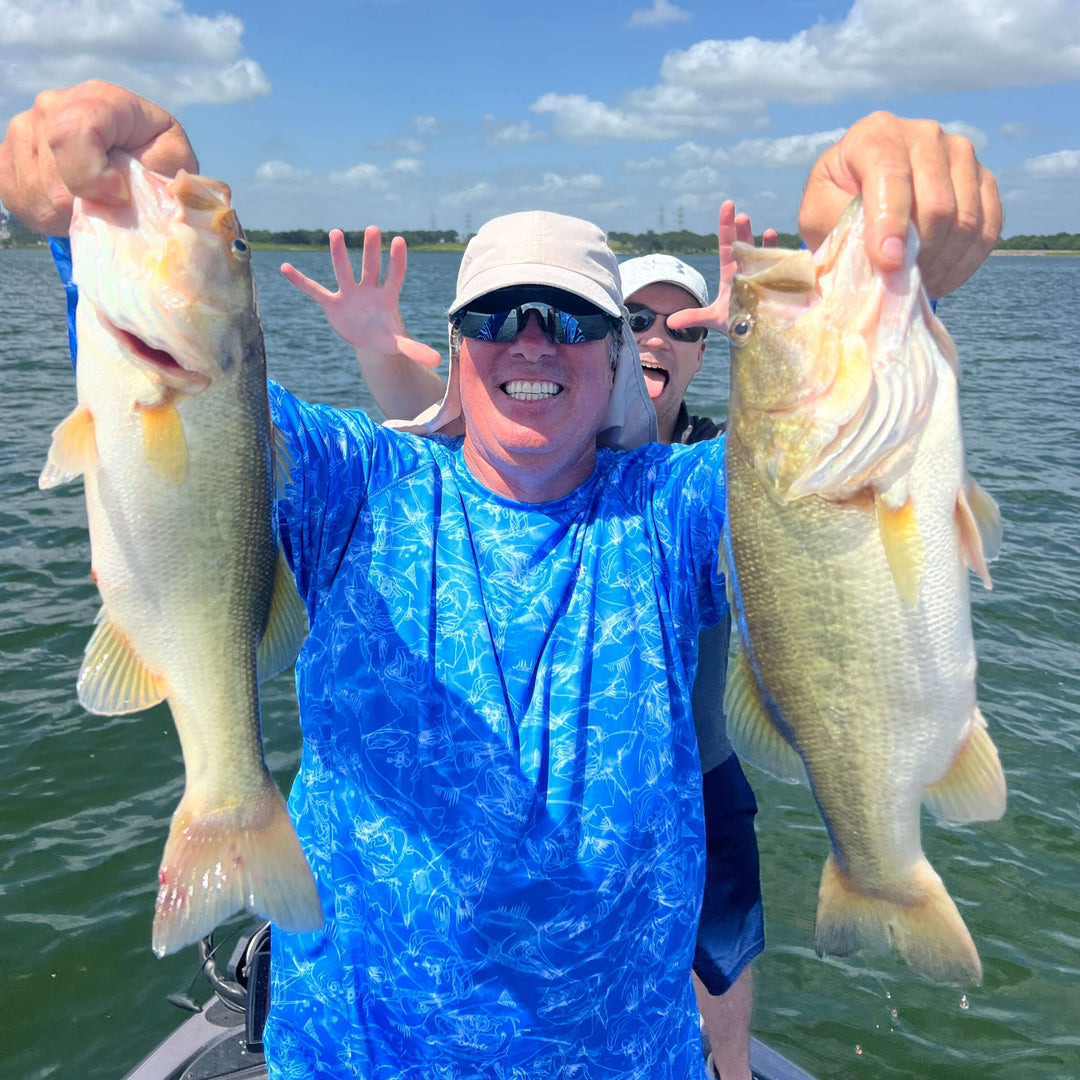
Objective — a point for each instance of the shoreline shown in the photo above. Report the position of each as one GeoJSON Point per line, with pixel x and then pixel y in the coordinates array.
{"type": "Point", "coordinates": [459, 248]}
{"type": "Point", "coordinates": [1031, 251]}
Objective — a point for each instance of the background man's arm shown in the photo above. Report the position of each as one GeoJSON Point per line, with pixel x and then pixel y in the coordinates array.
{"type": "Point", "coordinates": [398, 369]}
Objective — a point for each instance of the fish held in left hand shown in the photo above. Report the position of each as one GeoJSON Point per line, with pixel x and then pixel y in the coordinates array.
{"type": "Point", "coordinates": [173, 438]}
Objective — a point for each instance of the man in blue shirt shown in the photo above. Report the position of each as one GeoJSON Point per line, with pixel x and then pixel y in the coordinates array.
{"type": "Point", "coordinates": [654, 287]}
{"type": "Point", "coordinates": [500, 792]}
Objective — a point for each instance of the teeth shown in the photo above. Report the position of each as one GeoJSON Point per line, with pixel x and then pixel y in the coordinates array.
{"type": "Point", "coordinates": [531, 391]}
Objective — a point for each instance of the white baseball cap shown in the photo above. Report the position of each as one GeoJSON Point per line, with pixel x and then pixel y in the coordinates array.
{"type": "Point", "coordinates": [662, 269]}
{"type": "Point", "coordinates": [541, 248]}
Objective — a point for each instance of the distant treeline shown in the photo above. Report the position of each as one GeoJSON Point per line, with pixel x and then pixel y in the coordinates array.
{"type": "Point", "coordinates": [678, 242]}
{"type": "Point", "coordinates": [14, 231]}
{"type": "Point", "coordinates": [1058, 242]}
{"type": "Point", "coordinates": [320, 238]}
{"type": "Point", "coordinates": [682, 241]}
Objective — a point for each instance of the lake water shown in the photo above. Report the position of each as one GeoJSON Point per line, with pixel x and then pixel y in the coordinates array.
{"type": "Point", "coordinates": [86, 800]}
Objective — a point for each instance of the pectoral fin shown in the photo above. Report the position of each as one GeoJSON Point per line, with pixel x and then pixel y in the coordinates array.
{"type": "Point", "coordinates": [287, 626]}
{"type": "Point", "coordinates": [974, 787]}
{"type": "Point", "coordinates": [979, 521]}
{"type": "Point", "coordinates": [73, 449]}
{"type": "Point", "coordinates": [113, 680]}
{"type": "Point", "coordinates": [905, 551]}
{"type": "Point", "coordinates": [164, 441]}
{"type": "Point", "coordinates": [753, 734]}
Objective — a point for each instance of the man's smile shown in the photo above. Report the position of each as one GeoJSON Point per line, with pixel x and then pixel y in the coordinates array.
{"type": "Point", "coordinates": [520, 390]}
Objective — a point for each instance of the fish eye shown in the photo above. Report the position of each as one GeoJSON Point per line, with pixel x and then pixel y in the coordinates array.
{"type": "Point", "coordinates": [240, 248]}
{"type": "Point", "coordinates": [739, 329]}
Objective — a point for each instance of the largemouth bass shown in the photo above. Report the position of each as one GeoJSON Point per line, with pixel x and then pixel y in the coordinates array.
{"type": "Point", "coordinates": [851, 525]}
{"type": "Point", "coordinates": [173, 439]}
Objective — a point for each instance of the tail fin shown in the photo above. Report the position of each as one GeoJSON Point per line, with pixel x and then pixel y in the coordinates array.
{"type": "Point", "coordinates": [217, 862]}
{"type": "Point", "coordinates": [928, 932]}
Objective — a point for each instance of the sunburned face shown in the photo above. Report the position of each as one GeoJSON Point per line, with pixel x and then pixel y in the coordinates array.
{"type": "Point", "coordinates": [532, 410]}
{"type": "Point", "coordinates": [668, 365]}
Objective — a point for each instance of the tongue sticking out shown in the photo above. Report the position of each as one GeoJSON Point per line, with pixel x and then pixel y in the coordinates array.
{"type": "Point", "coordinates": [655, 380]}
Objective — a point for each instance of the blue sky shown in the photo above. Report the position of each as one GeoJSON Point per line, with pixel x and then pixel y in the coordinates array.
{"type": "Point", "coordinates": [637, 114]}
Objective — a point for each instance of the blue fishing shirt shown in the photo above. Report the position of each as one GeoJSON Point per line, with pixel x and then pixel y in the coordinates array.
{"type": "Point", "coordinates": [499, 792]}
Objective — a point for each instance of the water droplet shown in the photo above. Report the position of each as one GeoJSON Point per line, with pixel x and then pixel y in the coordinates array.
{"type": "Point", "coordinates": [964, 1003]}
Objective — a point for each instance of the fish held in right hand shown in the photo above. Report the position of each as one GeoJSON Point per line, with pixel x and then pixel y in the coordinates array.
{"type": "Point", "coordinates": [851, 524]}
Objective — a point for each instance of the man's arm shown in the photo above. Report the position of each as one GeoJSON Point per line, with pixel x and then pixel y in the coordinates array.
{"type": "Point", "coordinates": [396, 367]}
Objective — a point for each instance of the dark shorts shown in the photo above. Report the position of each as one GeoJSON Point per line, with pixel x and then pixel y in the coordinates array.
{"type": "Point", "coordinates": [731, 929]}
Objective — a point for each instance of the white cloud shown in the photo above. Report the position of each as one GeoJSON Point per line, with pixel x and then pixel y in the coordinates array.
{"type": "Point", "coordinates": [877, 48]}
{"type": "Point", "coordinates": [408, 165]}
{"type": "Point", "coordinates": [690, 153]}
{"type": "Point", "coordinates": [1055, 165]}
{"type": "Point", "coordinates": [361, 175]}
{"type": "Point", "coordinates": [554, 184]}
{"type": "Point", "coordinates": [503, 134]}
{"type": "Point", "coordinates": [425, 125]}
{"type": "Point", "coordinates": [650, 164]}
{"type": "Point", "coordinates": [647, 115]}
{"type": "Point", "coordinates": [879, 45]}
{"type": "Point", "coordinates": [281, 174]}
{"type": "Point", "coordinates": [662, 11]}
{"type": "Point", "coordinates": [476, 195]}
{"type": "Point", "coordinates": [155, 47]}
{"type": "Point", "coordinates": [975, 135]}
{"type": "Point", "coordinates": [784, 152]}
{"type": "Point", "coordinates": [1016, 129]}
{"type": "Point", "coordinates": [703, 178]}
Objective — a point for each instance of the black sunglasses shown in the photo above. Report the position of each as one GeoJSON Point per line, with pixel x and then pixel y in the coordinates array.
{"type": "Point", "coordinates": [566, 319]}
{"type": "Point", "coordinates": [641, 318]}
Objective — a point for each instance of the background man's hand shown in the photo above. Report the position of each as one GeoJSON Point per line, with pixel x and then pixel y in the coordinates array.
{"type": "Point", "coordinates": [733, 227]}
{"type": "Point", "coordinates": [908, 169]}
{"type": "Point", "coordinates": [59, 149]}
{"type": "Point", "coordinates": [366, 314]}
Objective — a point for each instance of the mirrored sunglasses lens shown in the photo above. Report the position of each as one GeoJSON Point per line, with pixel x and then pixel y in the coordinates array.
{"type": "Point", "coordinates": [560, 327]}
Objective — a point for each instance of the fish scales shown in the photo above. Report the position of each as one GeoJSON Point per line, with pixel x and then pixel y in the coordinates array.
{"type": "Point", "coordinates": [173, 438]}
{"type": "Point", "coordinates": [850, 526]}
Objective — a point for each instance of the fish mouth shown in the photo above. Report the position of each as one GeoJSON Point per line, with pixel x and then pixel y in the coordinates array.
{"type": "Point", "coordinates": [161, 361]}
{"type": "Point", "coordinates": [520, 390]}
